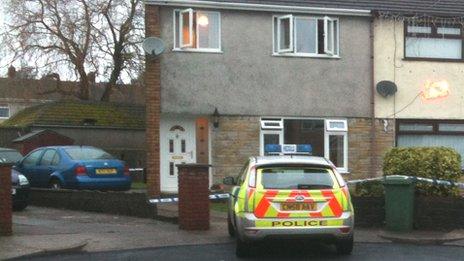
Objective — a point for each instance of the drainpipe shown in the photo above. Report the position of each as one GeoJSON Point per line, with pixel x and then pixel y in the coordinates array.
{"type": "Point", "coordinates": [373, 147]}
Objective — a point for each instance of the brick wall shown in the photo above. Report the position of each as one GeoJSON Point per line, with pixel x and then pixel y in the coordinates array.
{"type": "Point", "coordinates": [6, 222]}
{"type": "Point", "coordinates": [119, 203]}
{"type": "Point", "coordinates": [236, 139]}
{"type": "Point", "coordinates": [359, 146]}
{"type": "Point", "coordinates": [193, 197]}
{"type": "Point", "coordinates": [153, 107]}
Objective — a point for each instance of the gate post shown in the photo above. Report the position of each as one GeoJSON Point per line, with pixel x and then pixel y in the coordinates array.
{"type": "Point", "coordinates": [193, 196]}
{"type": "Point", "coordinates": [6, 208]}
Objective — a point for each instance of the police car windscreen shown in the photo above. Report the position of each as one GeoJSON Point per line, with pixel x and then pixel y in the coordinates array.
{"type": "Point", "coordinates": [296, 178]}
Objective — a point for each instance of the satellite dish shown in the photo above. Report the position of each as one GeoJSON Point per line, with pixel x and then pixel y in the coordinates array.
{"type": "Point", "coordinates": [386, 88]}
{"type": "Point", "coordinates": [153, 46]}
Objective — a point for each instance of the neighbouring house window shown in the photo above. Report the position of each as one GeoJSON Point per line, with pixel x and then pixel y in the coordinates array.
{"type": "Point", "coordinates": [433, 41]}
{"type": "Point", "coordinates": [197, 30]}
{"type": "Point", "coordinates": [310, 36]}
{"type": "Point", "coordinates": [4, 112]}
{"type": "Point", "coordinates": [328, 138]}
{"type": "Point", "coordinates": [431, 133]}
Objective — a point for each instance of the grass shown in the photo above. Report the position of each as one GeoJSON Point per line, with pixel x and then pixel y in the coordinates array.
{"type": "Point", "coordinates": [219, 206]}
{"type": "Point", "coordinates": [138, 185]}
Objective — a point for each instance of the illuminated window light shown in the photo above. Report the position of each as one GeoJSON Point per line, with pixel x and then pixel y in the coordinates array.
{"type": "Point", "coordinates": [203, 21]}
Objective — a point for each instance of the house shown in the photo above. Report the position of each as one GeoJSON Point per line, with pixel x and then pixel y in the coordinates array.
{"type": "Point", "coordinates": [419, 48]}
{"type": "Point", "coordinates": [17, 94]}
{"type": "Point", "coordinates": [115, 127]}
{"type": "Point", "coordinates": [237, 75]}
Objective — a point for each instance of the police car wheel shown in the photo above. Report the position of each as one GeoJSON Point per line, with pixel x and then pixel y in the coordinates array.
{"type": "Point", "coordinates": [344, 246]}
{"type": "Point", "coordinates": [230, 227]}
{"type": "Point", "coordinates": [242, 249]}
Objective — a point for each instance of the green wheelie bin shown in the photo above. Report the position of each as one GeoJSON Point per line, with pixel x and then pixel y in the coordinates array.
{"type": "Point", "coordinates": [399, 203]}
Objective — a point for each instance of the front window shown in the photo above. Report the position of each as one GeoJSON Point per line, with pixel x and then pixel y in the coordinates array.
{"type": "Point", "coordinates": [4, 112]}
{"type": "Point", "coordinates": [86, 153]}
{"type": "Point", "coordinates": [433, 41]}
{"type": "Point", "coordinates": [197, 30]}
{"type": "Point", "coordinates": [306, 36]}
{"type": "Point", "coordinates": [296, 177]}
{"type": "Point", "coordinates": [32, 159]}
{"type": "Point", "coordinates": [431, 133]}
{"type": "Point", "coordinates": [328, 138]}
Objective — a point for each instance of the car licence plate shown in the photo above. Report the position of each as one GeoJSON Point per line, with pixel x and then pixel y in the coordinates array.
{"type": "Point", "coordinates": [298, 206]}
{"type": "Point", "coordinates": [13, 191]}
{"type": "Point", "coordinates": [106, 171]}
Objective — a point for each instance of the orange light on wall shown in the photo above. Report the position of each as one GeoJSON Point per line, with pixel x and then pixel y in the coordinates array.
{"type": "Point", "coordinates": [435, 90]}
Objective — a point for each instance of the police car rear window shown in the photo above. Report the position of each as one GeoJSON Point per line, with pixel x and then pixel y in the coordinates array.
{"type": "Point", "coordinates": [296, 178]}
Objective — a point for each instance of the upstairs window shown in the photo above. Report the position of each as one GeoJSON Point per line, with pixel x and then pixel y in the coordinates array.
{"type": "Point", "coordinates": [433, 41]}
{"type": "Point", "coordinates": [306, 36]}
{"type": "Point", "coordinates": [197, 30]}
{"type": "Point", "coordinates": [4, 112]}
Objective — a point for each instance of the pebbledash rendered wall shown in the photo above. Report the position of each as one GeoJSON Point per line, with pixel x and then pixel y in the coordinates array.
{"type": "Point", "coordinates": [245, 78]}
{"type": "Point", "coordinates": [237, 138]}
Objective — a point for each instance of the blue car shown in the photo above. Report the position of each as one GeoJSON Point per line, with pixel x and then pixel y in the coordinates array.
{"type": "Point", "coordinates": [74, 167]}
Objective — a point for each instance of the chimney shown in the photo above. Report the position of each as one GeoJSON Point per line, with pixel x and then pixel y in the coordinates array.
{"type": "Point", "coordinates": [11, 72]}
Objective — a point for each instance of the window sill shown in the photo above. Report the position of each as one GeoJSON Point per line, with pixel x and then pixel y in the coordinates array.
{"type": "Point", "coordinates": [192, 50]}
{"type": "Point", "coordinates": [343, 171]}
{"type": "Point", "coordinates": [301, 55]}
{"type": "Point", "coordinates": [433, 60]}
{"type": "Point", "coordinates": [4, 118]}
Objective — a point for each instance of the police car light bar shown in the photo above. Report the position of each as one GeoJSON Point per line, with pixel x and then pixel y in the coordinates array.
{"type": "Point", "coordinates": [277, 149]}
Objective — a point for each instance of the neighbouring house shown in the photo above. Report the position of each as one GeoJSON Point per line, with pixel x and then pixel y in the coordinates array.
{"type": "Point", "coordinates": [115, 127]}
{"type": "Point", "coordinates": [17, 94]}
{"type": "Point", "coordinates": [419, 47]}
{"type": "Point", "coordinates": [237, 75]}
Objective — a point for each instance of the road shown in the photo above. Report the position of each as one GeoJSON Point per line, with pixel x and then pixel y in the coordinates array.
{"type": "Point", "coordinates": [276, 251]}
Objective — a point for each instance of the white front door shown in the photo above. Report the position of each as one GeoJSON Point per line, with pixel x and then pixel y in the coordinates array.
{"type": "Point", "coordinates": [177, 145]}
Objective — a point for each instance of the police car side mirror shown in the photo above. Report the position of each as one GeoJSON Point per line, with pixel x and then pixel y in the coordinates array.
{"type": "Point", "coordinates": [229, 181]}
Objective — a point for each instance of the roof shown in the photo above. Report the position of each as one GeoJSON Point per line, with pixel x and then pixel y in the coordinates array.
{"type": "Point", "coordinates": [289, 159]}
{"type": "Point", "coordinates": [413, 7]}
{"type": "Point", "coordinates": [35, 133]}
{"type": "Point", "coordinates": [80, 114]}
{"type": "Point", "coordinates": [7, 149]}
{"type": "Point", "coordinates": [29, 89]}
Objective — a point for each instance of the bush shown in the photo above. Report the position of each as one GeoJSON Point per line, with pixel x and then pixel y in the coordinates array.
{"type": "Point", "coordinates": [369, 189]}
{"type": "Point", "coordinates": [428, 162]}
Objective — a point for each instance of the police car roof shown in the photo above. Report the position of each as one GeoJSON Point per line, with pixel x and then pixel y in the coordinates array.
{"type": "Point", "coordinates": [292, 159]}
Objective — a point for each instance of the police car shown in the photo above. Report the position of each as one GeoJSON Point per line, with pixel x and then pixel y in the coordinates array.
{"type": "Point", "coordinates": [286, 194]}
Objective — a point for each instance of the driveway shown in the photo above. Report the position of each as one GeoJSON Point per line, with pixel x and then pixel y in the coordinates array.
{"type": "Point", "coordinates": [37, 228]}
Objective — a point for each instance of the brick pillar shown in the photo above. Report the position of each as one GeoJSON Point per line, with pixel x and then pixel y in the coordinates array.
{"type": "Point", "coordinates": [193, 196]}
{"type": "Point", "coordinates": [153, 106]}
{"type": "Point", "coordinates": [6, 208]}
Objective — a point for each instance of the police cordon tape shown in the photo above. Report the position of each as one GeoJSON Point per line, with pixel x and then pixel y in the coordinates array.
{"type": "Point", "coordinates": [176, 199]}
{"type": "Point", "coordinates": [218, 196]}
{"type": "Point", "coordinates": [437, 182]}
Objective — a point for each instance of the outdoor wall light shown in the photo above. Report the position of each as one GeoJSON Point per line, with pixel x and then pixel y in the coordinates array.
{"type": "Point", "coordinates": [216, 116]}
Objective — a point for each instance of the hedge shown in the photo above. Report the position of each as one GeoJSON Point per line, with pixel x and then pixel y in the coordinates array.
{"type": "Point", "coordinates": [429, 162]}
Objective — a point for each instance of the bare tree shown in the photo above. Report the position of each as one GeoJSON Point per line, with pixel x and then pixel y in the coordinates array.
{"type": "Point", "coordinates": [78, 39]}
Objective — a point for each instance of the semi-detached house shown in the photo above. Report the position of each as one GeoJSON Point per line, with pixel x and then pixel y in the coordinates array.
{"type": "Point", "coordinates": [237, 75]}
{"type": "Point", "coordinates": [274, 73]}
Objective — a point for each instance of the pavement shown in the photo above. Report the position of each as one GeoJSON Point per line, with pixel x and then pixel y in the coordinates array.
{"type": "Point", "coordinates": [39, 230]}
